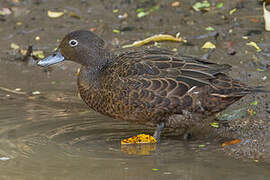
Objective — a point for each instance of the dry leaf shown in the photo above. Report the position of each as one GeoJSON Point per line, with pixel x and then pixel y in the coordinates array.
{"type": "Point", "coordinates": [54, 14]}
{"type": "Point", "coordinates": [235, 141]}
{"type": "Point", "coordinates": [139, 139]}
{"type": "Point", "coordinates": [155, 38]}
{"type": "Point", "coordinates": [14, 46]}
{"type": "Point", "coordinates": [251, 43]}
{"type": "Point", "coordinates": [175, 4]}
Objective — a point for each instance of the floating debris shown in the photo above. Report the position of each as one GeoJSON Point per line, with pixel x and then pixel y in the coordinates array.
{"type": "Point", "coordinates": [55, 14]}
{"type": "Point", "coordinates": [155, 38]}
{"type": "Point", "coordinates": [140, 139]}
{"type": "Point", "coordinates": [202, 146]}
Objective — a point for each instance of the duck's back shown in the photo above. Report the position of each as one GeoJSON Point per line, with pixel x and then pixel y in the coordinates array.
{"type": "Point", "coordinates": [154, 85]}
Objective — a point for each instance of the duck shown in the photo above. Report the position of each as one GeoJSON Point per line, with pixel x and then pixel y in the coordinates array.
{"type": "Point", "coordinates": [151, 86]}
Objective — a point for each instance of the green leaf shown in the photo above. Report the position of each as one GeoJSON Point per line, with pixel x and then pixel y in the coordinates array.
{"type": "Point", "coordinates": [215, 124]}
{"type": "Point", "coordinates": [209, 28]}
{"type": "Point", "coordinates": [200, 5]}
{"type": "Point", "coordinates": [202, 145]}
{"type": "Point", "coordinates": [154, 169]}
{"type": "Point", "coordinates": [220, 5]}
{"type": "Point", "coordinates": [116, 31]}
{"type": "Point", "coordinates": [254, 103]}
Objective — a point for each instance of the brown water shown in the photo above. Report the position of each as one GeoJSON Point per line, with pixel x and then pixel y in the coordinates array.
{"type": "Point", "coordinates": [53, 135]}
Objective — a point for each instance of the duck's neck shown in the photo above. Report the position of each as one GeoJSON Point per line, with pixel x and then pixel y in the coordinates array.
{"type": "Point", "coordinates": [90, 76]}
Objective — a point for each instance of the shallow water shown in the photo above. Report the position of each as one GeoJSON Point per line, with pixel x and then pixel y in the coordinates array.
{"type": "Point", "coordinates": [53, 135]}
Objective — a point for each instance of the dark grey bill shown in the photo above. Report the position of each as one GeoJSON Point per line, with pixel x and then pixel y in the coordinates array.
{"type": "Point", "coordinates": [53, 59]}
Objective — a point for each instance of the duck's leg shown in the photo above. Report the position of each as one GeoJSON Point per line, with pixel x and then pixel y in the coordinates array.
{"type": "Point", "coordinates": [158, 131]}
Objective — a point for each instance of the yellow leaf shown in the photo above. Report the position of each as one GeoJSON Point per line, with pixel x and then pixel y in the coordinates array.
{"type": "Point", "coordinates": [209, 45]}
{"type": "Point", "coordinates": [39, 54]}
{"type": "Point", "coordinates": [54, 14]}
{"type": "Point", "coordinates": [232, 11]}
{"type": "Point", "coordinates": [139, 139]}
{"type": "Point", "coordinates": [155, 38]}
{"type": "Point", "coordinates": [14, 46]}
{"type": "Point", "coordinates": [251, 43]}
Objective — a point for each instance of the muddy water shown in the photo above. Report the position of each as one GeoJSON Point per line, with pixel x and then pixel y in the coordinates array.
{"type": "Point", "coordinates": [53, 135]}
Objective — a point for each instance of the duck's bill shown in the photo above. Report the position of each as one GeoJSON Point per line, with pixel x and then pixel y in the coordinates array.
{"type": "Point", "coordinates": [50, 60]}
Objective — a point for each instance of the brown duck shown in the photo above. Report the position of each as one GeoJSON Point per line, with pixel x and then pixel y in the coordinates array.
{"type": "Point", "coordinates": [150, 86]}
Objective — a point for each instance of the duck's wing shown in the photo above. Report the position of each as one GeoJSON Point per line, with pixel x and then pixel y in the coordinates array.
{"type": "Point", "coordinates": [161, 79]}
{"type": "Point", "coordinates": [153, 65]}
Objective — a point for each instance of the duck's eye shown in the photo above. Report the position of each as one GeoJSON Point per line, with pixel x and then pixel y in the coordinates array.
{"type": "Point", "coordinates": [73, 42]}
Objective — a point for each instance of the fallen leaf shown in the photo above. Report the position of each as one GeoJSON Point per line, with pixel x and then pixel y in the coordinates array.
{"type": "Point", "coordinates": [235, 141]}
{"type": "Point", "coordinates": [139, 139]}
{"type": "Point", "coordinates": [116, 31]}
{"type": "Point", "coordinates": [215, 124]}
{"type": "Point", "coordinates": [220, 5]}
{"type": "Point", "coordinates": [55, 14]}
{"type": "Point", "coordinates": [202, 145]}
{"type": "Point", "coordinates": [209, 28]}
{"type": "Point", "coordinates": [14, 46]}
{"type": "Point", "coordinates": [74, 15]}
{"type": "Point", "coordinates": [39, 54]}
{"type": "Point", "coordinates": [209, 45]}
{"type": "Point", "coordinates": [251, 43]}
{"type": "Point", "coordinates": [175, 4]}
{"type": "Point", "coordinates": [201, 5]}
{"type": "Point", "coordinates": [35, 92]}
{"type": "Point", "coordinates": [232, 11]}
{"type": "Point", "coordinates": [155, 38]}
{"type": "Point", "coordinates": [251, 112]}
{"type": "Point", "coordinates": [254, 103]}
{"type": "Point", "coordinates": [154, 169]}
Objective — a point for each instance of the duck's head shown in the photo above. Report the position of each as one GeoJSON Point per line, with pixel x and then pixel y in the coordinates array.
{"type": "Point", "coordinates": [83, 47]}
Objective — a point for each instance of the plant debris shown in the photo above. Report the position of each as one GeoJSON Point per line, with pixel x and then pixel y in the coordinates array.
{"type": "Point", "coordinates": [141, 11]}
{"type": "Point", "coordinates": [251, 43]}
{"type": "Point", "coordinates": [204, 5]}
{"type": "Point", "coordinates": [155, 38]}
{"type": "Point", "coordinates": [139, 139]}
{"type": "Point", "coordinates": [235, 141]}
{"type": "Point", "coordinates": [55, 14]}
{"type": "Point", "coordinates": [208, 45]}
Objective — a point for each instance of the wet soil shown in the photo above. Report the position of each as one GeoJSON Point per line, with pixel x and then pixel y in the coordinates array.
{"type": "Point", "coordinates": [54, 135]}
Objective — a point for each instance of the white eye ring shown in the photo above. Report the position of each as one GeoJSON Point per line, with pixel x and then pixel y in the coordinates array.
{"type": "Point", "coordinates": [73, 42]}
